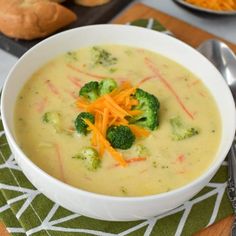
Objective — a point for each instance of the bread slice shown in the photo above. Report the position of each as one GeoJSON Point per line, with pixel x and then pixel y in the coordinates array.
{"type": "Point", "coordinates": [31, 19]}
{"type": "Point", "coordinates": [91, 3]}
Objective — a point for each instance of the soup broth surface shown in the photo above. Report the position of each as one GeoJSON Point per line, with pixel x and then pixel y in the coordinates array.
{"type": "Point", "coordinates": [169, 163]}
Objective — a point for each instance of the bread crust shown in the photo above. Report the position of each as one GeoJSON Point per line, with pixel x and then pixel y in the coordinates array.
{"type": "Point", "coordinates": [91, 3]}
{"type": "Point", "coordinates": [31, 19]}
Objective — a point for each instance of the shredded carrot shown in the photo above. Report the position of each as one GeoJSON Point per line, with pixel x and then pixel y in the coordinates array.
{"type": "Point", "coordinates": [115, 105]}
{"type": "Point", "coordinates": [218, 5]}
{"type": "Point", "coordinates": [105, 121]}
{"type": "Point", "coordinates": [180, 158]}
{"type": "Point", "coordinates": [94, 136]}
{"type": "Point", "coordinates": [40, 106]}
{"type": "Point", "coordinates": [202, 94]}
{"type": "Point", "coordinates": [100, 126]}
{"type": "Point", "coordinates": [52, 87]}
{"type": "Point", "coordinates": [81, 104]}
{"type": "Point", "coordinates": [124, 94]}
{"type": "Point", "coordinates": [134, 159]}
{"type": "Point", "coordinates": [71, 93]}
{"type": "Point", "coordinates": [75, 81]}
{"type": "Point", "coordinates": [145, 79]}
{"type": "Point", "coordinates": [112, 122]}
{"type": "Point", "coordinates": [135, 112]}
{"type": "Point", "coordinates": [138, 131]}
{"type": "Point", "coordinates": [154, 69]}
{"type": "Point", "coordinates": [59, 158]}
{"type": "Point", "coordinates": [125, 85]}
{"type": "Point", "coordinates": [85, 73]}
{"type": "Point", "coordinates": [116, 155]}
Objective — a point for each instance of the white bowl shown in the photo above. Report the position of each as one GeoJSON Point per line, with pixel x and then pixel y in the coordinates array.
{"type": "Point", "coordinates": [110, 207]}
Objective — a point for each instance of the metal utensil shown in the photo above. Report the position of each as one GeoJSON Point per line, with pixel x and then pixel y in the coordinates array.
{"type": "Point", "coordinates": [225, 61]}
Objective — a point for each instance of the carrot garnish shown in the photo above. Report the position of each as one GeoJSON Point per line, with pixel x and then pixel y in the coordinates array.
{"type": "Point", "coordinates": [138, 131]}
{"type": "Point", "coordinates": [136, 159]}
{"type": "Point", "coordinates": [75, 81]}
{"type": "Point", "coordinates": [133, 160]}
{"type": "Point", "coordinates": [112, 109]}
{"type": "Point", "coordinates": [81, 104]}
{"type": "Point", "coordinates": [135, 112]}
{"type": "Point", "coordinates": [154, 69]}
{"type": "Point", "coordinates": [59, 159]}
{"type": "Point", "coordinates": [52, 87]}
{"type": "Point", "coordinates": [112, 122]}
{"type": "Point", "coordinates": [116, 155]}
{"type": "Point", "coordinates": [85, 73]}
{"type": "Point", "coordinates": [105, 121]}
{"type": "Point", "coordinates": [180, 158]}
{"type": "Point", "coordinates": [146, 79]}
{"type": "Point", "coordinates": [40, 106]}
{"type": "Point", "coordinates": [119, 109]}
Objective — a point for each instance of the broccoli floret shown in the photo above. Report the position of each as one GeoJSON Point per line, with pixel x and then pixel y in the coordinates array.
{"type": "Point", "coordinates": [141, 150]}
{"type": "Point", "coordinates": [90, 91]}
{"type": "Point", "coordinates": [80, 125]}
{"type": "Point", "coordinates": [180, 130]}
{"type": "Point", "coordinates": [103, 57]}
{"type": "Point", "coordinates": [149, 105]}
{"type": "Point", "coordinates": [53, 118]}
{"type": "Point", "coordinates": [107, 86]}
{"type": "Point", "coordinates": [90, 157]}
{"type": "Point", "coordinates": [120, 136]}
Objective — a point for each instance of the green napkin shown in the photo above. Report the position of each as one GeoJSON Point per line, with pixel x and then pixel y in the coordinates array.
{"type": "Point", "coordinates": [25, 211]}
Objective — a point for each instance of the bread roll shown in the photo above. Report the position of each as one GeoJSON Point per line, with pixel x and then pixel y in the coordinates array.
{"type": "Point", "coordinates": [58, 1]}
{"type": "Point", "coordinates": [91, 3]}
{"type": "Point", "coordinates": [30, 19]}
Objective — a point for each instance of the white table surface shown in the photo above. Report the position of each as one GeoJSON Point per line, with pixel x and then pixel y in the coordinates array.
{"type": "Point", "coordinates": [224, 27]}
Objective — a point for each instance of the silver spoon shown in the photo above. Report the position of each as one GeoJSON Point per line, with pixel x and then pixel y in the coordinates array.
{"type": "Point", "coordinates": [225, 61]}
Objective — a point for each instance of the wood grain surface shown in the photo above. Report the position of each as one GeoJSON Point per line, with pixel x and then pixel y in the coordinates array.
{"type": "Point", "coordinates": [3, 230]}
{"type": "Point", "coordinates": [183, 31]}
{"type": "Point", "coordinates": [192, 36]}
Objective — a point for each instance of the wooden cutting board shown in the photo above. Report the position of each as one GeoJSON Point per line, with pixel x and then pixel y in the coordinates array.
{"type": "Point", "coordinates": [192, 36]}
{"type": "Point", "coordinates": [86, 16]}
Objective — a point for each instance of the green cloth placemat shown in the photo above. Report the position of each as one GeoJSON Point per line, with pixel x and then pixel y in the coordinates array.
{"type": "Point", "coordinates": [25, 211]}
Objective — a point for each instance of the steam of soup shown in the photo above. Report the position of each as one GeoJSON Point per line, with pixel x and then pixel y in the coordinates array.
{"type": "Point", "coordinates": [118, 120]}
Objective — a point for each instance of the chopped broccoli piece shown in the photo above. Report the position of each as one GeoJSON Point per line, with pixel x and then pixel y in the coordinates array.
{"type": "Point", "coordinates": [80, 125]}
{"type": "Point", "coordinates": [120, 136]}
{"type": "Point", "coordinates": [90, 157]}
{"type": "Point", "coordinates": [181, 131]}
{"type": "Point", "coordinates": [90, 91]}
{"type": "Point", "coordinates": [103, 57]}
{"type": "Point", "coordinates": [72, 55]}
{"type": "Point", "coordinates": [93, 89]}
{"type": "Point", "coordinates": [149, 105]}
{"type": "Point", "coordinates": [141, 150]}
{"type": "Point", "coordinates": [107, 86]}
{"type": "Point", "coordinates": [53, 118]}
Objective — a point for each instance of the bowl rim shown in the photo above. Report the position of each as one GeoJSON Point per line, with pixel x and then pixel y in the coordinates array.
{"type": "Point", "coordinates": [210, 170]}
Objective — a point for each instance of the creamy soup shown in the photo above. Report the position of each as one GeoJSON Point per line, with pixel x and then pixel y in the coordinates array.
{"type": "Point", "coordinates": [166, 164]}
